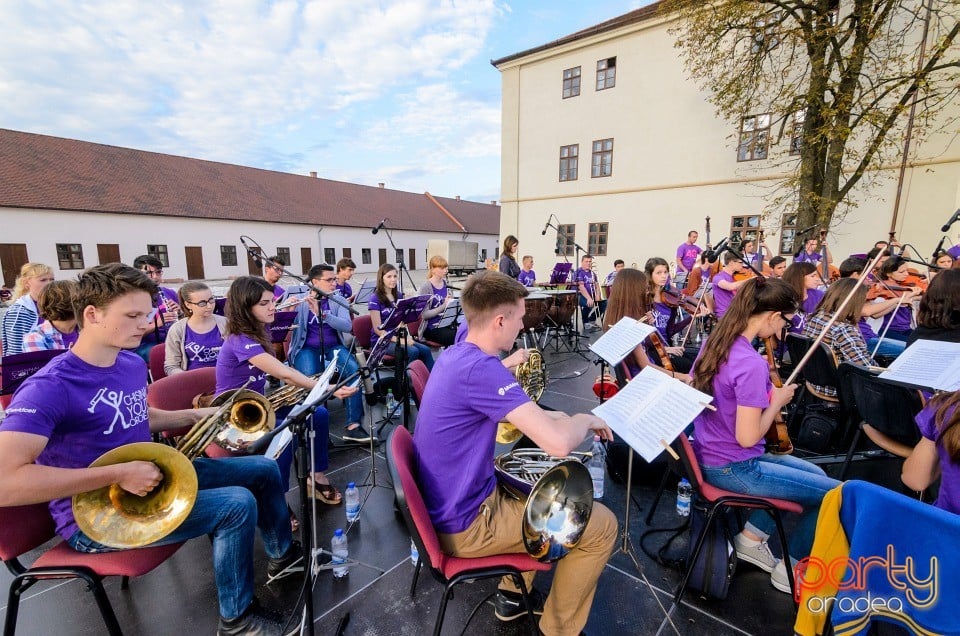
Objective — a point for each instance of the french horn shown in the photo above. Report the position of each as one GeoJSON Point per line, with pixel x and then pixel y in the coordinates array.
{"type": "Point", "coordinates": [559, 499]}
{"type": "Point", "coordinates": [243, 417]}
{"type": "Point", "coordinates": [532, 377]}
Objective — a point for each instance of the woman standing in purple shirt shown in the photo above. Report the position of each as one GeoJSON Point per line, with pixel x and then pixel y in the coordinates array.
{"type": "Point", "coordinates": [729, 442]}
{"type": "Point", "coordinates": [247, 355]}
{"type": "Point", "coordinates": [381, 304]}
{"type": "Point", "coordinates": [194, 342]}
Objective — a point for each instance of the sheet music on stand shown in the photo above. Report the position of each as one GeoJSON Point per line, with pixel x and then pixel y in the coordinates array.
{"type": "Point", "coordinates": [651, 411]}
{"type": "Point", "coordinates": [927, 364]}
{"type": "Point", "coordinates": [451, 314]}
{"type": "Point", "coordinates": [407, 310]}
{"type": "Point", "coordinates": [16, 368]}
{"type": "Point", "coordinates": [323, 382]}
{"type": "Point", "coordinates": [621, 339]}
{"type": "Point", "coordinates": [367, 287]}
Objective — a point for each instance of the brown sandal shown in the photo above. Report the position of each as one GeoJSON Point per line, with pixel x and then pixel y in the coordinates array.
{"type": "Point", "coordinates": [327, 493]}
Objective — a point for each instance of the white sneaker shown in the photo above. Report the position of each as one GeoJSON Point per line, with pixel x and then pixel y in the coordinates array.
{"type": "Point", "coordinates": [755, 552]}
{"type": "Point", "coordinates": [778, 578]}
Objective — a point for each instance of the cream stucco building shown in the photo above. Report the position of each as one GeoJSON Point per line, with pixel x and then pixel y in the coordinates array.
{"type": "Point", "coordinates": [653, 160]}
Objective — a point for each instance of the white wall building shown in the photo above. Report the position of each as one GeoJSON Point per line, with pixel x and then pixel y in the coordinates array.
{"type": "Point", "coordinates": [72, 204]}
{"type": "Point", "coordinates": [652, 159]}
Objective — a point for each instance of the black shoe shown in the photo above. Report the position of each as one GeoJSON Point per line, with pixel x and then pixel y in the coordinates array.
{"type": "Point", "coordinates": [255, 621]}
{"type": "Point", "coordinates": [290, 562]}
{"type": "Point", "coordinates": [508, 606]}
{"type": "Point", "coordinates": [359, 435]}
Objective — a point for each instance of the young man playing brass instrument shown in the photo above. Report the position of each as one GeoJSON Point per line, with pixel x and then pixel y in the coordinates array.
{"type": "Point", "coordinates": [92, 399]}
{"type": "Point", "coordinates": [454, 445]}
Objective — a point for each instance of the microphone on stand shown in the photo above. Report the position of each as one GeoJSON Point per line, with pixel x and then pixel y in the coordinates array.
{"type": "Point", "coordinates": [546, 225]}
{"type": "Point", "coordinates": [714, 254]}
{"type": "Point", "coordinates": [939, 247]}
{"type": "Point", "coordinates": [251, 252]}
{"type": "Point", "coordinates": [379, 227]}
{"type": "Point", "coordinates": [953, 219]}
{"type": "Point", "coordinates": [807, 229]}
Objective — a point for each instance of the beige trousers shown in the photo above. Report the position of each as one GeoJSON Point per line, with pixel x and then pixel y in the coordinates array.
{"type": "Point", "coordinates": [496, 530]}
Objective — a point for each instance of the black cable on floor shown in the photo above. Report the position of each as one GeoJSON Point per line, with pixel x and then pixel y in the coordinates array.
{"type": "Point", "coordinates": [474, 612]}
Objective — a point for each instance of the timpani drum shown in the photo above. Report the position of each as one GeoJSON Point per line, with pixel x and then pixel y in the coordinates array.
{"type": "Point", "coordinates": [564, 304]}
{"type": "Point", "coordinates": [537, 306]}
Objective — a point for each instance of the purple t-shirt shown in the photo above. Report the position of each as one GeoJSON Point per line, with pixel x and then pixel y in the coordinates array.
{"type": "Point", "coordinates": [344, 290]}
{"type": "Point", "coordinates": [469, 392]}
{"type": "Point", "coordinates": [584, 276]}
{"type": "Point", "coordinates": [437, 298]}
{"type": "Point", "coordinates": [83, 411]}
{"type": "Point", "coordinates": [866, 330]}
{"type": "Point", "coordinates": [901, 319]}
{"type": "Point", "coordinates": [278, 291]}
{"type": "Point", "coordinates": [233, 368]}
{"type": "Point", "coordinates": [743, 380]}
{"type": "Point", "coordinates": [385, 310]}
{"type": "Point", "coordinates": [168, 294]}
{"type": "Point", "coordinates": [527, 279]}
{"type": "Point", "coordinates": [461, 332]}
{"type": "Point", "coordinates": [70, 338]}
{"type": "Point", "coordinates": [949, 495]}
{"type": "Point", "coordinates": [807, 308]}
{"type": "Point", "coordinates": [803, 257]}
{"type": "Point", "coordinates": [954, 251]}
{"type": "Point", "coordinates": [201, 349]}
{"type": "Point", "coordinates": [661, 319]}
{"type": "Point", "coordinates": [721, 297]}
{"type": "Point", "coordinates": [688, 254]}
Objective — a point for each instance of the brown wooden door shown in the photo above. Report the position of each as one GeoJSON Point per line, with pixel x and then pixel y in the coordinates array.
{"type": "Point", "coordinates": [108, 253]}
{"type": "Point", "coordinates": [254, 268]}
{"type": "Point", "coordinates": [383, 255]}
{"type": "Point", "coordinates": [306, 258]}
{"type": "Point", "coordinates": [413, 259]}
{"type": "Point", "coordinates": [347, 252]}
{"type": "Point", "coordinates": [194, 262]}
{"type": "Point", "coordinates": [13, 256]}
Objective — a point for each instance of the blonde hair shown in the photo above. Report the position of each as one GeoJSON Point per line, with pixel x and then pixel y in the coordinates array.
{"type": "Point", "coordinates": [28, 272]}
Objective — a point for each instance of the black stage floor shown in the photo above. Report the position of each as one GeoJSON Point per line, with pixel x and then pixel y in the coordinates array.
{"type": "Point", "coordinates": [179, 597]}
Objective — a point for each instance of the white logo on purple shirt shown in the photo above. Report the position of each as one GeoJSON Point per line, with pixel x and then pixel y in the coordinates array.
{"type": "Point", "coordinates": [135, 404]}
{"type": "Point", "coordinates": [503, 390]}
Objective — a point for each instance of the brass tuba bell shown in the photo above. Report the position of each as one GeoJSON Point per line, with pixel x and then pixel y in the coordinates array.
{"type": "Point", "coordinates": [119, 519]}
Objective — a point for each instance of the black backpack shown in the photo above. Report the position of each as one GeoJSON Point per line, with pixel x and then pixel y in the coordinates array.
{"type": "Point", "coordinates": [711, 574]}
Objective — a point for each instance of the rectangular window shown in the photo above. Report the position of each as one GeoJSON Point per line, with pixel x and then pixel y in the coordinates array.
{"type": "Point", "coordinates": [571, 82]}
{"type": "Point", "coordinates": [796, 135]}
{"type": "Point", "coordinates": [348, 252]}
{"type": "Point", "coordinates": [330, 255]}
{"type": "Point", "coordinates": [228, 255]}
{"type": "Point", "coordinates": [70, 255]}
{"type": "Point", "coordinates": [765, 36]}
{"type": "Point", "coordinates": [365, 256]}
{"type": "Point", "coordinates": [566, 237]}
{"type": "Point", "coordinates": [744, 228]}
{"type": "Point", "coordinates": [399, 255]}
{"type": "Point", "coordinates": [597, 239]}
{"type": "Point", "coordinates": [160, 251]}
{"type": "Point", "coordinates": [569, 160]}
{"type": "Point", "coordinates": [754, 137]}
{"type": "Point", "coordinates": [283, 253]}
{"type": "Point", "coordinates": [788, 234]}
{"type": "Point", "coordinates": [602, 158]}
{"type": "Point", "coordinates": [483, 255]}
{"type": "Point", "coordinates": [606, 73]}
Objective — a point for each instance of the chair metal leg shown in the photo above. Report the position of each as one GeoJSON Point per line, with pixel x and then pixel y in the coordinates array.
{"type": "Point", "coordinates": [103, 602]}
{"type": "Point", "coordinates": [534, 626]}
{"type": "Point", "coordinates": [447, 591]}
{"type": "Point", "coordinates": [660, 490]}
{"type": "Point", "coordinates": [17, 588]}
{"type": "Point", "coordinates": [416, 575]}
{"type": "Point", "coordinates": [850, 451]}
{"type": "Point", "coordinates": [788, 565]}
{"type": "Point", "coordinates": [124, 582]}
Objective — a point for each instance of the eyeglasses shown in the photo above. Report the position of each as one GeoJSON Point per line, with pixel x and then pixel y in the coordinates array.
{"type": "Point", "coordinates": [276, 268]}
{"type": "Point", "coordinates": [787, 319]}
{"type": "Point", "coordinates": [326, 279]}
{"type": "Point", "coordinates": [202, 303]}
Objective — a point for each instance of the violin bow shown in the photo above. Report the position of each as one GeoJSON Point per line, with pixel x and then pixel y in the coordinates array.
{"type": "Point", "coordinates": [846, 301]}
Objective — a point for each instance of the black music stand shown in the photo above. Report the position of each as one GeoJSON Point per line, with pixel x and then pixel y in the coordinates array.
{"type": "Point", "coordinates": [407, 310]}
{"type": "Point", "coordinates": [16, 368]}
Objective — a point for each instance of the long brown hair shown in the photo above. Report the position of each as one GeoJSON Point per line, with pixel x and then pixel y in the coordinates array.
{"type": "Point", "coordinates": [381, 289]}
{"type": "Point", "coordinates": [940, 305]}
{"type": "Point", "coordinates": [837, 291]}
{"type": "Point", "coordinates": [947, 422]}
{"type": "Point", "coordinates": [795, 274]}
{"type": "Point", "coordinates": [758, 295]}
{"type": "Point", "coordinates": [245, 292]}
{"type": "Point", "coordinates": [651, 265]}
{"type": "Point", "coordinates": [629, 296]}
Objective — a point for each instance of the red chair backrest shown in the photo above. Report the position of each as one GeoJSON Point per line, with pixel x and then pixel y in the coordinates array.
{"type": "Point", "coordinates": [689, 460]}
{"type": "Point", "coordinates": [158, 356]}
{"type": "Point", "coordinates": [363, 330]}
{"type": "Point", "coordinates": [419, 374]}
{"type": "Point", "coordinates": [23, 528]}
{"type": "Point", "coordinates": [401, 459]}
{"type": "Point", "coordinates": [177, 391]}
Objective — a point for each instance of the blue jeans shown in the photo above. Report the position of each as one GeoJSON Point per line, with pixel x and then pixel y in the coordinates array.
{"type": "Point", "coordinates": [320, 423]}
{"type": "Point", "coordinates": [308, 362]}
{"type": "Point", "coordinates": [783, 477]}
{"type": "Point", "coordinates": [415, 351]}
{"type": "Point", "coordinates": [890, 348]}
{"type": "Point", "coordinates": [591, 313]}
{"type": "Point", "coordinates": [236, 496]}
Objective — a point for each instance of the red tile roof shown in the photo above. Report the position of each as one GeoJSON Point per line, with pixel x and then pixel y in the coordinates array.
{"type": "Point", "coordinates": [38, 171]}
{"type": "Point", "coordinates": [637, 15]}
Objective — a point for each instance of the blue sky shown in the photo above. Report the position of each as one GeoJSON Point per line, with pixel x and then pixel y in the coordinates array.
{"type": "Point", "coordinates": [359, 90]}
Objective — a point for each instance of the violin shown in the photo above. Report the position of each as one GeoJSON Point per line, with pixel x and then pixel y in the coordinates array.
{"type": "Point", "coordinates": [673, 298]}
{"type": "Point", "coordinates": [661, 349]}
{"type": "Point", "coordinates": [777, 438]}
{"type": "Point", "coordinates": [887, 291]}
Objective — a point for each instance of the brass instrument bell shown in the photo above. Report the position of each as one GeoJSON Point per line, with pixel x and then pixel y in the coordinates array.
{"type": "Point", "coordinates": [119, 519]}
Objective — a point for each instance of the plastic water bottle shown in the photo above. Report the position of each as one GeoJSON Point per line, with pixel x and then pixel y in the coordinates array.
{"type": "Point", "coordinates": [596, 467]}
{"type": "Point", "coordinates": [352, 502]}
{"type": "Point", "coordinates": [414, 553]}
{"type": "Point", "coordinates": [684, 495]}
{"type": "Point", "coordinates": [391, 402]}
{"type": "Point", "coordinates": [338, 545]}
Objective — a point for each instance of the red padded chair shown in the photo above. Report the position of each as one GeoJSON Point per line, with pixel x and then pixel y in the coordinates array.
{"type": "Point", "coordinates": [414, 328]}
{"type": "Point", "coordinates": [449, 570]}
{"type": "Point", "coordinates": [418, 374]}
{"type": "Point", "coordinates": [23, 528]}
{"type": "Point", "coordinates": [158, 355]}
{"type": "Point", "coordinates": [177, 391]}
{"type": "Point", "coordinates": [718, 499]}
